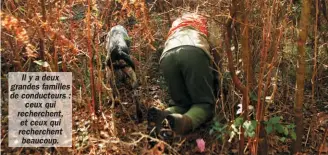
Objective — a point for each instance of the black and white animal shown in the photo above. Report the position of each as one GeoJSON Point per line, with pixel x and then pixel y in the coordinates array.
{"type": "Point", "coordinates": [118, 47]}
{"type": "Point", "coordinates": [118, 56]}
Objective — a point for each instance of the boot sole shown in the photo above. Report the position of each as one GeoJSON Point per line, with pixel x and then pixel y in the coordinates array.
{"type": "Point", "coordinates": [151, 119]}
{"type": "Point", "coordinates": [171, 121]}
{"type": "Point", "coordinates": [155, 119]}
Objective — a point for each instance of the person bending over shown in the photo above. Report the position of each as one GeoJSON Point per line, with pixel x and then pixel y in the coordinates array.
{"type": "Point", "coordinates": [187, 66]}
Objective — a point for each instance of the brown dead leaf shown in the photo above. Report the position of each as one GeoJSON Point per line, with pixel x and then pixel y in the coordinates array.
{"type": "Point", "coordinates": [322, 118]}
{"type": "Point", "coordinates": [114, 148]}
{"type": "Point", "coordinates": [104, 134]}
{"type": "Point", "coordinates": [323, 149]}
{"type": "Point", "coordinates": [158, 149]}
{"type": "Point", "coordinates": [234, 150]}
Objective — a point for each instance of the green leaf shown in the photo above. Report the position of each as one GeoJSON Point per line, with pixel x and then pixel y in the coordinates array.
{"type": "Point", "coordinates": [218, 137]}
{"type": "Point", "coordinates": [266, 122]}
{"type": "Point", "coordinates": [283, 139]}
{"type": "Point", "coordinates": [238, 121]}
{"type": "Point", "coordinates": [291, 126]}
{"type": "Point", "coordinates": [275, 120]}
{"type": "Point", "coordinates": [247, 124]}
{"type": "Point", "coordinates": [251, 134]}
{"type": "Point", "coordinates": [293, 135]}
{"type": "Point", "coordinates": [254, 124]}
{"type": "Point", "coordinates": [279, 128]}
{"type": "Point", "coordinates": [253, 97]}
{"type": "Point", "coordinates": [250, 128]}
{"type": "Point", "coordinates": [250, 125]}
{"type": "Point", "coordinates": [224, 127]}
{"type": "Point", "coordinates": [268, 128]}
{"type": "Point", "coordinates": [285, 131]}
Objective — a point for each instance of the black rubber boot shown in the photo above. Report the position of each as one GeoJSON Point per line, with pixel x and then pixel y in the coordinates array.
{"type": "Point", "coordinates": [155, 119]}
{"type": "Point", "coordinates": [180, 124]}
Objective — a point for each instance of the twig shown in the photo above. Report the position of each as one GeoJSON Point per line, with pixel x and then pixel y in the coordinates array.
{"type": "Point", "coordinates": [157, 140]}
{"type": "Point", "coordinates": [307, 135]}
{"type": "Point", "coordinates": [323, 141]}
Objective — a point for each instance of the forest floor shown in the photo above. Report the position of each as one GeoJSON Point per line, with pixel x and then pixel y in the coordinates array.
{"type": "Point", "coordinates": [116, 130]}
{"type": "Point", "coordinates": [131, 137]}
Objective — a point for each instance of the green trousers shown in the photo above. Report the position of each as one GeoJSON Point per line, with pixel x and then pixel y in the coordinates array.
{"type": "Point", "coordinates": [188, 74]}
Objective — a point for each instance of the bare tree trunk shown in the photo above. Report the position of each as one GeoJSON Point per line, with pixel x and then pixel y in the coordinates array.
{"type": "Point", "coordinates": [238, 84]}
{"type": "Point", "coordinates": [41, 39]}
{"type": "Point", "coordinates": [91, 54]}
{"type": "Point", "coordinates": [300, 76]}
{"type": "Point", "coordinates": [246, 52]}
{"type": "Point", "coordinates": [246, 58]}
{"type": "Point", "coordinates": [314, 72]}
